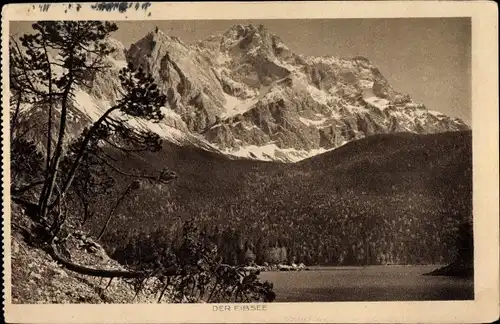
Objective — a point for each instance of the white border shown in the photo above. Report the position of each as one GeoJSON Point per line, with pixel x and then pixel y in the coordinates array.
{"type": "Point", "coordinates": [485, 307]}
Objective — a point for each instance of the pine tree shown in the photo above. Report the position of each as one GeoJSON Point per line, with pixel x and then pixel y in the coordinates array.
{"type": "Point", "coordinates": [48, 66]}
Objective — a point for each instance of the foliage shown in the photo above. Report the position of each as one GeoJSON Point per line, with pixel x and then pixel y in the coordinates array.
{"type": "Point", "coordinates": [202, 278]}
{"type": "Point", "coordinates": [25, 163]}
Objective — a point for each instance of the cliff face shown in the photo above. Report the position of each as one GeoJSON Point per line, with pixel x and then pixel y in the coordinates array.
{"type": "Point", "coordinates": [248, 94]}
{"type": "Point", "coordinates": [245, 93]}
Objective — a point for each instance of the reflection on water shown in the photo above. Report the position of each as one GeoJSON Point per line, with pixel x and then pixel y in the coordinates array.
{"type": "Point", "coordinates": [373, 283]}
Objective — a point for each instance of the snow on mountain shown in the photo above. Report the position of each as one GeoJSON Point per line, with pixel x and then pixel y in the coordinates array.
{"type": "Point", "coordinates": [380, 103]}
{"type": "Point", "coordinates": [271, 152]}
{"type": "Point", "coordinates": [246, 94]}
{"type": "Point", "coordinates": [235, 105]}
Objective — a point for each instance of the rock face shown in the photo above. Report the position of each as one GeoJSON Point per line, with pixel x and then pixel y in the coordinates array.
{"type": "Point", "coordinates": [245, 93]}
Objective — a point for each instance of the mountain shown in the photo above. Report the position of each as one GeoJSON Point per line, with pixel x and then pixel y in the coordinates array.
{"type": "Point", "coordinates": [244, 93]}
{"type": "Point", "coordinates": [237, 103]}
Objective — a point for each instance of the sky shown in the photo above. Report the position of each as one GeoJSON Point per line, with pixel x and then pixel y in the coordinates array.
{"type": "Point", "coordinates": [429, 58]}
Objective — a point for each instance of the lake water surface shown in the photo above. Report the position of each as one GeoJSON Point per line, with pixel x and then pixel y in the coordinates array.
{"type": "Point", "coordinates": [372, 283]}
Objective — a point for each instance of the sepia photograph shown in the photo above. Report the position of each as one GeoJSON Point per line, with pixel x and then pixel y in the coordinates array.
{"type": "Point", "coordinates": [239, 163]}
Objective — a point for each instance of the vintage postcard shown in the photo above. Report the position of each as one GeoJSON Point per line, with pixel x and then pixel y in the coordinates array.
{"type": "Point", "coordinates": [253, 162]}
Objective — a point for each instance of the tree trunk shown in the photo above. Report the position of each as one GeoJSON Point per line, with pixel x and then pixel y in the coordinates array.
{"type": "Point", "coordinates": [164, 289]}
{"type": "Point", "coordinates": [81, 152]}
{"type": "Point", "coordinates": [13, 124]}
{"type": "Point", "coordinates": [52, 249]}
{"type": "Point", "coordinates": [49, 124]}
{"type": "Point", "coordinates": [51, 177]}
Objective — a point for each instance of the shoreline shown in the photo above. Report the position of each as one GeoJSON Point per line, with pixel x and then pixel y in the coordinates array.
{"type": "Point", "coordinates": [285, 268]}
{"type": "Point", "coordinates": [453, 270]}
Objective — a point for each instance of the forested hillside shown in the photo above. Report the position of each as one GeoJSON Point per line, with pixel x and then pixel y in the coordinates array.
{"type": "Point", "coordinates": [383, 199]}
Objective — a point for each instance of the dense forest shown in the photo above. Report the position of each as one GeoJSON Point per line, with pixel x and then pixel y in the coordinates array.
{"type": "Point", "coordinates": [386, 199]}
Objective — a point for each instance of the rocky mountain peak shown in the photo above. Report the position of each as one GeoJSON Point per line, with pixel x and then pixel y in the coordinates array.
{"type": "Point", "coordinates": [244, 41]}
{"type": "Point", "coordinates": [239, 32]}
{"type": "Point", "coordinates": [245, 93]}
{"type": "Point", "coordinates": [157, 43]}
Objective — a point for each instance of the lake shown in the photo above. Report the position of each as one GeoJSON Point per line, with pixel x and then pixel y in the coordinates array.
{"type": "Point", "coordinates": [371, 283]}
